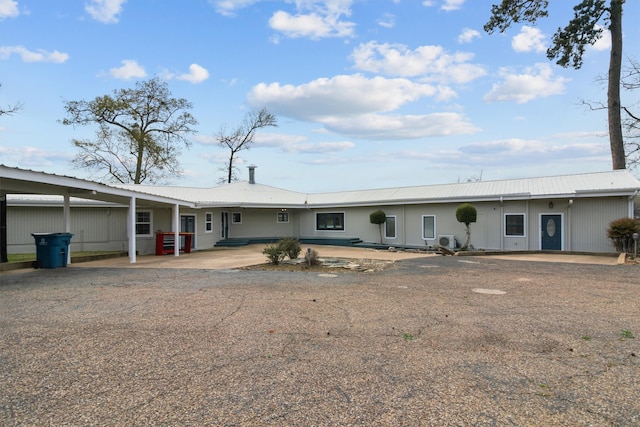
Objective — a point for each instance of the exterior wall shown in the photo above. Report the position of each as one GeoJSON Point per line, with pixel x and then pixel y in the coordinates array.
{"type": "Point", "coordinates": [93, 228]}
{"type": "Point", "coordinates": [584, 224]}
{"type": "Point", "coordinates": [260, 223]}
{"type": "Point", "coordinates": [589, 220]}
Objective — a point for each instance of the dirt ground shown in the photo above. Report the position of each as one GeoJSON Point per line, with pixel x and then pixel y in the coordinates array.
{"type": "Point", "coordinates": [430, 341]}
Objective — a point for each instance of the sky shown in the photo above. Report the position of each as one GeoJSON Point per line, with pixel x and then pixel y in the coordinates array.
{"type": "Point", "coordinates": [367, 93]}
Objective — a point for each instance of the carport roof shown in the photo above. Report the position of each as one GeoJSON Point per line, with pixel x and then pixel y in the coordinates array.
{"type": "Point", "coordinates": [22, 181]}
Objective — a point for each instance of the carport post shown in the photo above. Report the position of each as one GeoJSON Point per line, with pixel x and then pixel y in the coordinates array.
{"type": "Point", "coordinates": [132, 230]}
{"type": "Point", "coordinates": [176, 230]}
{"type": "Point", "coordinates": [66, 218]}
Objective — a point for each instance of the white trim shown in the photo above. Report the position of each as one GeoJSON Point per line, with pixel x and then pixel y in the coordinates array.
{"type": "Point", "coordinates": [208, 222]}
{"type": "Point", "coordinates": [135, 229]}
{"type": "Point", "coordinates": [524, 225]}
{"type": "Point", "coordinates": [233, 217]}
{"type": "Point", "coordinates": [395, 227]}
{"type": "Point", "coordinates": [435, 228]}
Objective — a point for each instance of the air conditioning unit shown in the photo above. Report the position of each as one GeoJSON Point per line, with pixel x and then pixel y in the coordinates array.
{"type": "Point", "coordinates": [447, 240]}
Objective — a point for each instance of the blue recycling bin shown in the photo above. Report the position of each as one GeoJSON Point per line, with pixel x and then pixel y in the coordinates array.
{"type": "Point", "coordinates": [52, 249]}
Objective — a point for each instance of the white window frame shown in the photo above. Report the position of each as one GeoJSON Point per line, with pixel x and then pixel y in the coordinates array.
{"type": "Point", "coordinates": [524, 224]}
{"type": "Point", "coordinates": [395, 227]}
{"type": "Point", "coordinates": [435, 234]}
{"type": "Point", "coordinates": [284, 213]}
{"type": "Point", "coordinates": [150, 212]}
{"type": "Point", "coordinates": [208, 223]}
{"type": "Point", "coordinates": [233, 217]}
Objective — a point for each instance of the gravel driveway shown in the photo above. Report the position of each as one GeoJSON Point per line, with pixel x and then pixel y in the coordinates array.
{"type": "Point", "coordinates": [437, 341]}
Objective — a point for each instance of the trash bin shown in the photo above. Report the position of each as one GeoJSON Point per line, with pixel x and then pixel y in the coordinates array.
{"type": "Point", "coordinates": [52, 249]}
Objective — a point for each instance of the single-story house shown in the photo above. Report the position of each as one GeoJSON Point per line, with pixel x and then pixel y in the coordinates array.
{"type": "Point", "coordinates": [564, 213]}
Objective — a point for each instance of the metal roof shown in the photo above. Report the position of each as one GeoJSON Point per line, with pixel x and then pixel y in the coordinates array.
{"type": "Point", "coordinates": [245, 194]}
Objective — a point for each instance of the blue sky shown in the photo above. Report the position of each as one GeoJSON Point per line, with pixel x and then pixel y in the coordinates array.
{"type": "Point", "coordinates": [368, 93]}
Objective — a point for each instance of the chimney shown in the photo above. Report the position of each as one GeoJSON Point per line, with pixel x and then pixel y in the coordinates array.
{"type": "Point", "coordinates": [252, 174]}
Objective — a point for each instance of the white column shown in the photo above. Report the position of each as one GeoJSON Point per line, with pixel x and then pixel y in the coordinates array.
{"type": "Point", "coordinates": [66, 219]}
{"type": "Point", "coordinates": [176, 230]}
{"type": "Point", "coordinates": [132, 230]}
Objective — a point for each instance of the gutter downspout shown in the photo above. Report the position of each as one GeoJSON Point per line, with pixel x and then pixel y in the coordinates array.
{"type": "Point", "coordinates": [631, 203]}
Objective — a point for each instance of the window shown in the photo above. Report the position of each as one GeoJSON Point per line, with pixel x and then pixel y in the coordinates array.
{"type": "Point", "coordinates": [390, 227]}
{"type": "Point", "coordinates": [428, 227]}
{"type": "Point", "coordinates": [514, 225]}
{"type": "Point", "coordinates": [236, 218]}
{"type": "Point", "coordinates": [208, 222]}
{"type": "Point", "coordinates": [330, 221]}
{"type": "Point", "coordinates": [283, 216]}
{"type": "Point", "coordinates": [143, 223]}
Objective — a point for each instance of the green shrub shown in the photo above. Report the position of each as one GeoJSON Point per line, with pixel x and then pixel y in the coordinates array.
{"type": "Point", "coordinates": [274, 254]}
{"type": "Point", "coordinates": [378, 218]}
{"type": "Point", "coordinates": [290, 247]}
{"type": "Point", "coordinates": [621, 231]}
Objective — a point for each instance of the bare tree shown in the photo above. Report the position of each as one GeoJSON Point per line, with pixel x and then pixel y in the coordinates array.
{"type": "Point", "coordinates": [569, 46]}
{"type": "Point", "coordinates": [242, 137]}
{"type": "Point", "coordinates": [139, 132]}
{"type": "Point", "coordinates": [10, 109]}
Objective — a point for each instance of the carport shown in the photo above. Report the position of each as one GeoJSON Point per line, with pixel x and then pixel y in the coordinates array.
{"type": "Point", "coordinates": [21, 181]}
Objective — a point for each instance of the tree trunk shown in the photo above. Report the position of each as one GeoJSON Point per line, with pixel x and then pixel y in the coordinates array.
{"type": "Point", "coordinates": [613, 92]}
{"type": "Point", "coordinates": [468, 242]}
{"type": "Point", "coordinates": [136, 179]}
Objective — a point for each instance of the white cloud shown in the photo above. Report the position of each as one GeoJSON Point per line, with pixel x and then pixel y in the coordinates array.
{"type": "Point", "coordinates": [432, 63]}
{"type": "Point", "coordinates": [604, 42]}
{"type": "Point", "coordinates": [197, 74]}
{"type": "Point", "coordinates": [353, 105]}
{"type": "Point", "coordinates": [388, 20]}
{"type": "Point", "coordinates": [450, 5]}
{"type": "Point", "coordinates": [315, 19]}
{"type": "Point", "coordinates": [378, 126]}
{"type": "Point", "coordinates": [27, 156]}
{"type": "Point", "coordinates": [311, 25]}
{"type": "Point", "coordinates": [344, 95]}
{"type": "Point", "coordinates": [299, 144]}
{"type": "Point", "coordinates": [536, 82]}
{"type": "Point", "coordinates": [229, 7]}
{"type": "Point", "coordinates": [468, 35]}
{"type": "Point", "coordinates": [529, 39]}
{"type": "Point", "coordinates": [31, 56]}
{"type": "Point", "coordinates": [105, 11]}
{"type": "Point", "coordinates": [130, 69]}
{"type": "Point", "coordinates": [8, 9]}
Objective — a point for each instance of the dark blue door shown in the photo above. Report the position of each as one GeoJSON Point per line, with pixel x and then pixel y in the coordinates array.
{"type": "Point", "coordinates": [551, 232]}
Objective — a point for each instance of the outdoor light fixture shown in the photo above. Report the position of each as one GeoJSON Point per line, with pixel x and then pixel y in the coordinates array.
{"type": "Point", "coordinates": [550, 205]}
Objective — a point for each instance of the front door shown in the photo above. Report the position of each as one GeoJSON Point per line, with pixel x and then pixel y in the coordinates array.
{"type": "Point", "coordinates": [188, 225]}
{"type": "Point", "coordinates": [224, 226]}
{"type": "Point", "coordinates": [551, 233]}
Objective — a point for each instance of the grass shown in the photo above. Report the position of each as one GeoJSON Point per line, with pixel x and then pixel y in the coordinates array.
{"type": "Point", "coordinates": [32, 256]}
{"type": "Point", "coordinates": [409, 337]}
{"type": "Point", "coordinates": [626, 334]}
